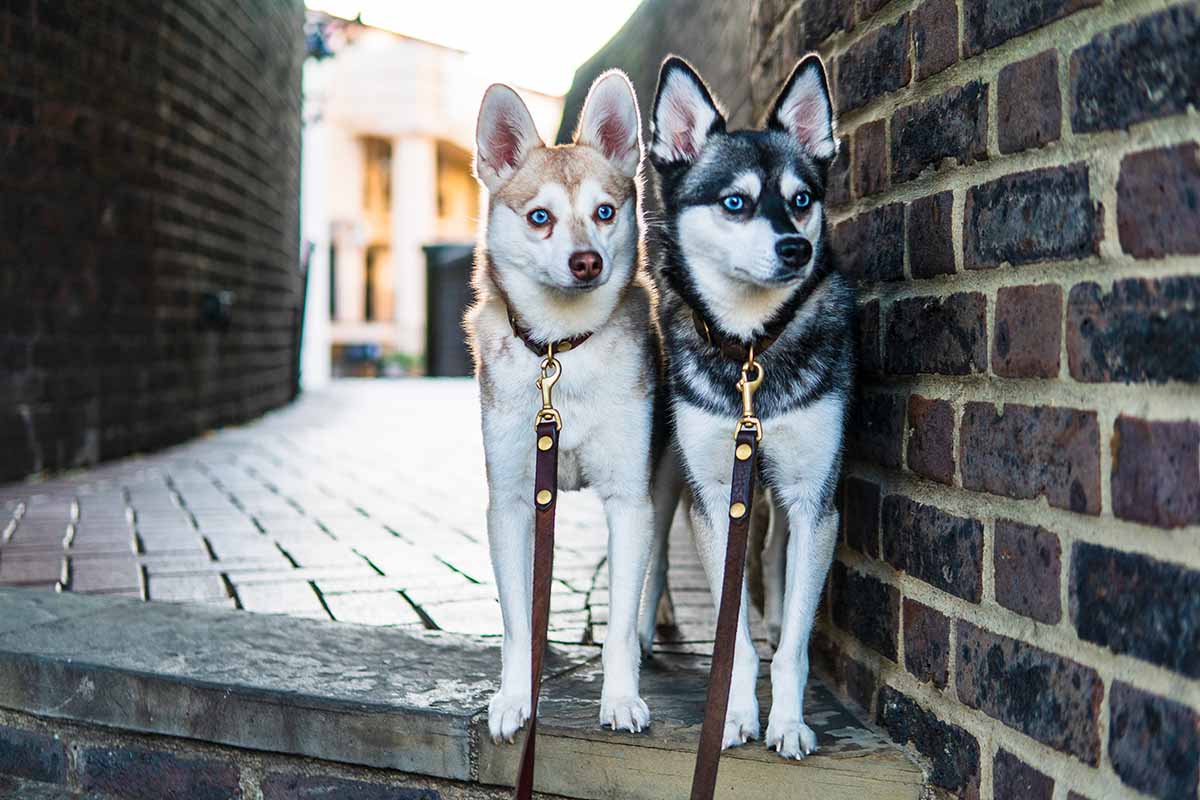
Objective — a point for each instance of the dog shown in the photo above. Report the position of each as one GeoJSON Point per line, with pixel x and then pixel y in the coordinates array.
{"type": "Point", "coordinates": [560, 256]}
{"type": "Point", "coordinates": [744, 260]}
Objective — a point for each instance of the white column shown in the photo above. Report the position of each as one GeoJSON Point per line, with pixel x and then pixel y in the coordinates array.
{"type": "Point", "coordinates": [315, 231]}
{"type": "Point", "coordinates": [414, 223]}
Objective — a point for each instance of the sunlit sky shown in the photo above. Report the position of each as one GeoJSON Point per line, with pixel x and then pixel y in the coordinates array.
{"type": "Point", "coordinates": [535, 45]}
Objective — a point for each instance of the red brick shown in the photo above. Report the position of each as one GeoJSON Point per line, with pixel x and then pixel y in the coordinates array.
{"type": "Point", "coordinates": [1028, 565]}
{"type": "Point", "coordinates": [941, 549]}
{"type": "Point", "coordinates": [926, 643]}
{"type": "Point", "coordinates": [952, 125]}
{"type": "Point", "coordinates": [837, 186]}
{"type": "Point", "coordinates": [1028, 331]}
{"type": "Point", "coordinates": [1143, 330]}
{"type": "Point", "coordinates": [1154, 743]}
{"type": "Point", "coordinates": [1028, 217]}
{"type": "Point", "coordinates": [874, 66]}
{"type": "Point", "coordinates": [867, 608]}
{"type": "Point", "coordinates": [1013, 779]}
{"type": "Point", "coordinates": [289, 786]}
{"type": "Point", "coordinates": [935, 36]}
{"type": "Point", "coordinates": [1158, 202]}
{"type": "Point", "coordinates": [1050, 698]}
{"type": "Point", "coordinates": [953, 752]}
{"type": "Point", "coordinates": [870, 247]}
{"type": "Point", "coordinates": [987, 23]}
{"type": "Point", "coordinates": [931, 438]}
{"type": "Point", "coordinates": [155, 775]}
{"type": "Point", "coordinates": [1156, 472]}
{"type": "Point", "coordinates": [945, 336]}
{"type": "Point", "coordinates": [930, 240]}
{"type": "Point", "coordinates": [861, 517]}
{"type": "Point", "coordinates": [1031, 451]}
{"type": "Point", "coordinates": [1111, 76]}
{"type": "Point", "coordinates": [870, 158]}
{"type": "Point", "coordinates": [868, 360]}
{"type": "Point", "coordinates": [1029, 103]}
{"type": "Point", "coordinates": [811, 22]}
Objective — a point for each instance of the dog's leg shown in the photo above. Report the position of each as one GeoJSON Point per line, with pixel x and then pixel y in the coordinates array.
{"type": "Point", "coordinates": [710, 520]}
{"type": "Point", "coordinates": [774, 564]}
{"type": "Point", "coordinates": [631, 527]}
{"type": "Point", "coordinates": [668, 484]}
{"type": "Point", "coordinates": [810, 550]}
{"type": "Point", "coordinates": [510, 539]}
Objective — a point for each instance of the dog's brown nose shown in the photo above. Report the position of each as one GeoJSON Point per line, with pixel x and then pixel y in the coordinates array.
{"type": "Point", "coordinates": [585, 265]}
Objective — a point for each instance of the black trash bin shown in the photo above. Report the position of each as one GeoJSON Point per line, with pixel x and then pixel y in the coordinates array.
{"type": "Point", "coordinates": [448, 293]}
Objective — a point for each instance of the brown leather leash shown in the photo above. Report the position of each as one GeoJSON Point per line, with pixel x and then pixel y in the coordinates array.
{"type": "Point", "coordinates": [741, 499]}
{"type": "Point", "coordinates": [545, 498]}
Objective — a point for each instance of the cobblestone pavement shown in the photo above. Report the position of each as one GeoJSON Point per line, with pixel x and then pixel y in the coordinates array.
{"type": "Point", "coordinates": [348, 505]}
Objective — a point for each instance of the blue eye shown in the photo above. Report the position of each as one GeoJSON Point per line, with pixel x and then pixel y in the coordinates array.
{"type": "Point", "coordinates": [735, 203]}
{"type": "Point", "coordinates": [802, 199]}
{"type": "Point", "coordinates": [604, 212]}
{"type": "Point", "coordinates": [539, 216]}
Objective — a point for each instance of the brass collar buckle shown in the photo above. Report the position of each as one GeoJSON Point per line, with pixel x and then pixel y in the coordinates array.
{"type": "Point", "coordinates": [551, 372]}
{"type": "Point", "coordinates": [748, 387]}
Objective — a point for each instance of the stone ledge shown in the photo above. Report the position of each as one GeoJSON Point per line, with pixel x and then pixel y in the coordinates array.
{"type": "Point", "coordinates": [394, 699]}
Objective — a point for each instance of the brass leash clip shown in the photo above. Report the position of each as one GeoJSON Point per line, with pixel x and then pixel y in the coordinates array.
{"type": "Point", "coordinates": [551, 371]}
{"type": "Point", "coordinates": [748, 387]}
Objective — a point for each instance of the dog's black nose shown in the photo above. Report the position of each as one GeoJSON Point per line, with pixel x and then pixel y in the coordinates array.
{"type": "Point", "coordinates": [585, 265]}
{"type": "Point", "coordinates": [794, 251]}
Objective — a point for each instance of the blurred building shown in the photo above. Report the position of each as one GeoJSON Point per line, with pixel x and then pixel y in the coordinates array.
{"type": "Point", "coordinates": [389, 130]}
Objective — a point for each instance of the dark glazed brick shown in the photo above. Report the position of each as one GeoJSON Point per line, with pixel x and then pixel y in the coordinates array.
{"type": "Point", "coordinates": [875, 65]}
{"type": "Point", "coordinates": [861, 517]}
{"type": "Point", "coordinates": [812, 22]}
{"type": "Point", "coordinates": [875, 430]}
{"type": "Point", "coordinates": [837, 187]}
{"type": "Point", "coordinates": [952, 751]}
{"type": "Point", "coordinates": [1050, 698]}
{"type": "Point", "coordinates": [935, 36]}
{"type": "Point", "coordinates": [946, 336]}
{"type": "Point", "coordinates": [147, 775]}
{"type": "Point", "coordinates": [1032, 450]}
{"type": "Point", "coordinates": [941, 549]}
{"type": "Point", "coordinates": [1136, 605]}
{"type": "Point", "coordinates": [1144, 330]}
{"type": "Point", "coordinates": [952, 125]}
{"type": "Point", "coordinates": [859, 682]}
{"type": "Point", "coordinates": [1028, 331]}
{"type": "Point", "coordinates": [931, 438]}
{"type": "Point", "coordinates": [1158, 202]}
{"type": "Point", "coordinates": [867, 608]}
{"type": "Point", "coordinates": [1156, 472]}
{"type": "Point", "coordinates": [865, 8]}
{"type": "Point", "coordinates": [1041, 215]}
{"type": "Point", "coordinates": [279, 786]}
{"type": "Point", "coordinates": [870, 158]}
{"type": "Point", "coordinates": [1154, 743]}
{"type": "Point", "coordinates": [1013, 779]}
{"type": "Point", "coordinates": [926, 643]}
{"type": "Point", "coordinates": [1028, 565]}
{"type": "Point", "coordinates": [35, 756]}
{"type": "Point", "coordinates": [1111, 75]}
{"type": "Point", "coordinates": [870, 246]}
{"type": "Point", "coordinates": [1029, 103]}
{"type": "Point", "coordinates": [930, 240]}
{"type": "Point", "coordinates": [868, 360]}
{"type": "Point", "coordinates": [987, 23]}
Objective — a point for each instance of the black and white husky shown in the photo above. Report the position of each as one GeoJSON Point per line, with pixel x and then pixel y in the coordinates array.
{"type": "Point", "coordinates": [745, 261]}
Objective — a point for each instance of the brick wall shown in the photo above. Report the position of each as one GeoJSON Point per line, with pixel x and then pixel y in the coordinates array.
{"type": "Point", "coordinates": [1017, 592]}
{"type": "Point", "coordinates": [149, 156]}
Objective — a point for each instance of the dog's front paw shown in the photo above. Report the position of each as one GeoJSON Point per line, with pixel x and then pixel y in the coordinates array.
{"type": "Point", "coordinates": [741, 724]}
{"type": "Point", "coordinates": [507, 713]}
{"type": "Point", "coordinates": [792, 739]}
{"type": "Point", "coordinates": [624, 714]}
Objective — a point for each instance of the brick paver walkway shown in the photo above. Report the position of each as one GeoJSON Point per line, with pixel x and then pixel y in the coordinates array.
{"type": "Point", "coordinates": [349, 505]}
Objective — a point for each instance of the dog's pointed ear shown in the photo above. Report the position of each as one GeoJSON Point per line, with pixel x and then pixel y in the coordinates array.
{"type": "Point", "coordinates": [610, 121]}
{"type": "Point", "coordinates": [504, 136]}
{"type": "Point", "coordinates": [685, 115]}
{"type": "Point", "coordinates": [805, 111]}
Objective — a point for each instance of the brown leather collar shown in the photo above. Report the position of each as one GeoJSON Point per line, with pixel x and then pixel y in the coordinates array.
{"type": "Point", "coordinates": [541, 348]}
{"type": "Point", "coordinates": [736, 349]}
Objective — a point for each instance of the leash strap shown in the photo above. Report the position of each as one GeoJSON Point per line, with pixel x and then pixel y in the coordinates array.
{"type": "Point", "coordinates": [545, 500]}
{"type": "Point", "coordinates": [741, 497]}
